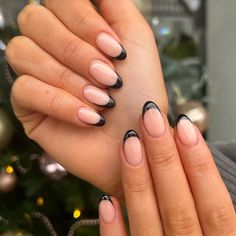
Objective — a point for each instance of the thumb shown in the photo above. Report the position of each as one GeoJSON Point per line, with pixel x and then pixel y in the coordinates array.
{"type": "Point", "coordinates": [120, 12]}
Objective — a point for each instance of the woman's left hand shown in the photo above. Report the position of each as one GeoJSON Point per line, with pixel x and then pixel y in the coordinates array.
{"type": "Point", "coordinates": [171, 183]}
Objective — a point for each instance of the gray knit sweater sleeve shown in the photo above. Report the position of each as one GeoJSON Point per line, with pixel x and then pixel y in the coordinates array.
{"type": "Point", "coordinates": [225, 159]}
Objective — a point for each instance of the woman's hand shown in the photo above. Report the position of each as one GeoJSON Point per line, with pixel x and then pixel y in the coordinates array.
{"type": "Point", "coordinates": [56, 59]}
{"type": "Point", "coordinates": [171, 183]}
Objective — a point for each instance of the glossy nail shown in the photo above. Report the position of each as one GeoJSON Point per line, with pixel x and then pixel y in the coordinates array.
{"type": "Point", "coordinates": [153, 120]}
{"type": "Point", "coordinates": [105, 75]}
{"type": "Point", "coordinates": [186, 131]}
{"type": "Point", "coordinates": [98, 97]}
{"type": "Point", "coordinates": [106, 209]}
{"type": "Point", "coordinates": [110, 46]}
{"type": "Point", "coordinates": [90, 117]}
{"type": "Point", "coordinates": [133, 148]}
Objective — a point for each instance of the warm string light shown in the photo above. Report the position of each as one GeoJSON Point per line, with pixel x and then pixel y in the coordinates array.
{"type": "Point", "coordinates": [39, 201]}
{"type": "Point", "coordinates": [9, 169]}
{"type": "Point", "coordinates": [76, 213]}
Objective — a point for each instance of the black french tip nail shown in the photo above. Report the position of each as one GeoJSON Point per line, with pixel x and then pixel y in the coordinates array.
{"type": "Point", "coordinates": [122, 55]}
{"type": "Point", "coordinates": [118, 83]}
{"type": "Point", "coordinates": [110, 104]}
{"type": "Point", "coordinates": [180, 117]}
{"type": "Point", "coordinates": [129, 134]}
{"type": "Point", "coordinates": [101, 122]}
{"type": "Point", "coordinates": [105, 197]}
{"type": "Point", "coordinates": [150, 105]}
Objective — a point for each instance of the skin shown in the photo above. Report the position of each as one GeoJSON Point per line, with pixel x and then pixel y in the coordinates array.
{"type": "Point", "coordinates": [53, 71]}
{"type": "Point", "coordinates": [175, 190]}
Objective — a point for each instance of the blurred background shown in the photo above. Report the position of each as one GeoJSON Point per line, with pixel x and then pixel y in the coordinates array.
{"type": "Point", "coordinates": [196, 40]}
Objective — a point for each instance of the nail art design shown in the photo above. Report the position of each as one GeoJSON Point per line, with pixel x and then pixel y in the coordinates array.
{"type": "Point", "coordinates": [132, 148]}
{"type": "Point", "coordinates": [130, 133]}
{"type": "Point", "coordinates": [122, 55]}
{"type": "Point", "coordinates": [105, 197]}
{"type": "Point", "coordinates": [153, 120]}
{"type": "Point", "coordinates": [107, 211]}
{"type": "Point", "coordinates": [105, 75]}
{"type": "Point", "coordinates": [98, 97]}
{"type": "Point", "coordinates": [186, 131]}
{"type": "Point", "coordinates": [110, 46]}
{"type": "Point", "coordinates": [91, 117]}
{"type": "Point", "coordinates": [180, 117]}
{"type": "Point", "coordinates": [149, 105]}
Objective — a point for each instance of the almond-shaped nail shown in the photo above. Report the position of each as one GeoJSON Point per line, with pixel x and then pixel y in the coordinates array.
{"type": "Point", "coordinates": [110, 46]}
{"type": "Point", "coordinates": [98, 97]}
{"type": "Point", "coordinates": [104, 74]}
{"type": "Point", "coordinates": [90, 117]}
{"type": "Point", "coordinates": [106, 209]}
{"type": "Point", "coordinates": [133, 148]}
{"type": "Point", "coordinates": [153, 120]}
{"type": "Point", "coordinates": [186, 131]}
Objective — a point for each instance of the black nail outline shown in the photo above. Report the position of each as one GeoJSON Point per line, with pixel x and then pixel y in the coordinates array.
{"type": "Point", "coordinates": [101, 122]}
{"type": "Point", "coordinates": [150, 105]}
{"type": "Point", "coordinates": [119, 82]}
{"type": "Point", "coordinates": [110, 104]}
{"type": "Point", "coordinates": [180, 117]}
{"type": "Point", "coordinates": [123, 54]}
{"type": "Point", "coordinates": [106, 197]}
{"type": "Point", "coordinates": [130, 133]}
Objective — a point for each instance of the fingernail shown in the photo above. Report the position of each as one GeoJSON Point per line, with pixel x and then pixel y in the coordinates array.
{"type": "Point", "coordinates": [186, 131]}
{"type": "Point", "coordinates": [153, 120]}
{"type": "Point", "coordinates": [98, 97]}
{"type": "Point", "coordinates": [133, 148]}
{"type": "Point", "coordinates": [102, 73]}
{"type": "Point", "coordinates": [110, 46]}
{"type": "Point", "coordinates": [106, 209]}
{"type": "Point", "coordinates": [90, 117]}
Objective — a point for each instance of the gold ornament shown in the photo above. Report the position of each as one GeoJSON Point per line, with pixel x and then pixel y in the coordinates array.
{"type": "Point", "coordinates": [193, 109]}
{"type": "Point", "coordinates": [6, 130]}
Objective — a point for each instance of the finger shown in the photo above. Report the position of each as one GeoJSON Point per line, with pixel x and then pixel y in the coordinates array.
{"type": "Point", "coordinates": [110, 217]}
{"type": "Point", "coordinates": [212, 199]}
{"type": "Point", "coordinates": [177, 208]}
{"type": "Point", "coordinates": [140, 198]}
{"type": "Point", "coordinates": [81, 18]}
{"type": "Point", "coordinates": [53, 102]}
{"type": "Point", "coordinates": [66, 47]}
{"type": "Point", "coordinates": [26, 57]}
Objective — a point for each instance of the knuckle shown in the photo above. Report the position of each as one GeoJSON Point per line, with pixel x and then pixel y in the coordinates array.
{"type": "Point", "coordinates": [221, 218]}
{"type": "Point", "coordinates": [200, 166]}
{"type": "Point", "coordinates": [55, 102]}
{"type": "Point", "coordinates": [180, 220]}
{"type": "Point", "coordinates": [87, 18]}
{"type": "Point", "coordinates": [70, 49]}
{"type": "Point", "coordinates": [164, 158]}
{"type": "Point", "coordinates": [27, 14]}
{"type": "Point", "coordinates": [64, 81]}
{"type": "Point", "coordinates": [138, 185]}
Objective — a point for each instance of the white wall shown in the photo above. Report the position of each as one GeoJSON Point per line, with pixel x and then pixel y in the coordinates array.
{"type": "Point", "coordinates": [221, 48]}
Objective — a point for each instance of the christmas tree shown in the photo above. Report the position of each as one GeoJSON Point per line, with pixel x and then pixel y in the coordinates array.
{"type": "Point", "coordinates": [37, 195]}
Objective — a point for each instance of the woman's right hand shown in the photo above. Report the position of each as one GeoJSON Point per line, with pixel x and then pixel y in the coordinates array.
{"type": "Point", "coordinates": [57, 60]}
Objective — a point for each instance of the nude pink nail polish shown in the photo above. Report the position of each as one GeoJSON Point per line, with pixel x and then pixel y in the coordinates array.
{"type": "Point", "coordinates": [153, 120]}
{"type": "Point", "coordinates": [186, 131]}
{"type": "Point", "coordinates": [133, 148]}
{"type": "Point", "coordinates": [105, 75]}
{"type": "Point", "coordinates": [90, 117]}
{"type": "Point", "coordinates": [110, 46]}
{"type": "Point", "coordinates": [98, 97]}
{"type": "Point", "coordinates": [107, 210]}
